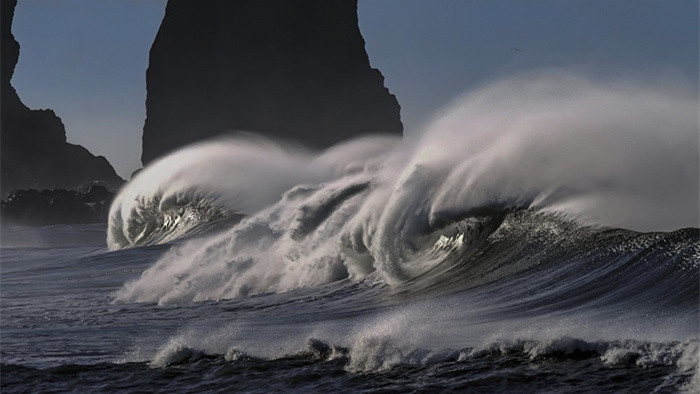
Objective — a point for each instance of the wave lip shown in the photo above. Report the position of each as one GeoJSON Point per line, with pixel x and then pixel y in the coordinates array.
{"type": "Point", "coordinates": [214, 181]}
{"type": "Point", "coordinates": [597, 156]}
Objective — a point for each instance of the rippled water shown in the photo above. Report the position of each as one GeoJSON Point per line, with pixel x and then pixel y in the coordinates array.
{"type": "Point", "coordinates": [494, 252]}
{"type": "Point", "coordinates": [629, 325]}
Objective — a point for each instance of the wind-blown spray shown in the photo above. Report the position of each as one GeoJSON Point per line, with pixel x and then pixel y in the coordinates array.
{"type": "Point", "coordinates": [614, 155]}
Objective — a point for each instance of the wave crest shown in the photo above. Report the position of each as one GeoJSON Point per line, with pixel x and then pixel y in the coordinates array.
{"type": "Point", "coordinates": [614, 154]}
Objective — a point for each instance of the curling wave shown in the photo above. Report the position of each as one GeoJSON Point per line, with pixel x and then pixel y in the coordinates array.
{"type": "Point", "coordinates": [542, 161]}
{"type": "Point", "coordinates": [199, 186]}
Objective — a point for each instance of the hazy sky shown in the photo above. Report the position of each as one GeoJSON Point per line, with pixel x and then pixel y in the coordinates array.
{"type": "Point", "coordinates": [87, 59]}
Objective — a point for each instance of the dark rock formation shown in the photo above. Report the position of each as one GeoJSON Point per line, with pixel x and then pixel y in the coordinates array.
{"type": "Point", "coordinates": [34, 152]}
{"type": "Point", "coordinates": [295, 70]}
{"type": "Point", "coordinates": [47, 207]}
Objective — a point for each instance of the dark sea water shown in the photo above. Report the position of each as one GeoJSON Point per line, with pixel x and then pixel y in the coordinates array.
{"type": "Point", "coordinates": [494, 252]}
{"type": "Point", "coordinates": [617, 313]}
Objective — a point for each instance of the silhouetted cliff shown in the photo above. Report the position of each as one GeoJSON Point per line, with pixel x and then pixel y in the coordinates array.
{"type": "Point", "coordinates": [48, 207]}
{"type": "Point", "coordinates": [34, 152]}
{"type": "Point", "coordinates": [295, 70]}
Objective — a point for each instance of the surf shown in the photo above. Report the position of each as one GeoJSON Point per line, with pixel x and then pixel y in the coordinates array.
{"type": "Point", "coordinates": [603, 155]}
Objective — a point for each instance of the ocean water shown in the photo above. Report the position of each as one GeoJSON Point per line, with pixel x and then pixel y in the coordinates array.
{"type": "Point", "coordinates": [540, 235]}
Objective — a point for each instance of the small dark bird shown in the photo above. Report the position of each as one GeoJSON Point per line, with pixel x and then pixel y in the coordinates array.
{"type": "Point", "coordinates": [515, 49]}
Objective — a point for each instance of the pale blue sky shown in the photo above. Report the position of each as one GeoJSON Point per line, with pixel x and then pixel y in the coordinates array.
{"type": "Point", "coordinates": [87, 59]}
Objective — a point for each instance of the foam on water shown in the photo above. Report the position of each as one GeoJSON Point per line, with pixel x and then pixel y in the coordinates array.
{"type": "Point", "coordinates": [239, 174]}
{"type": "Point", "coordinates": [614, 154]}
{"type": "Point", "coordinates": [482, 254]}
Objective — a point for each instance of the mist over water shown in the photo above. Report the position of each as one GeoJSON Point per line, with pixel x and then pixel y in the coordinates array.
{"type": "Point", "coordinates": [616, 154]}
{"type": "Point", "coordinates": [540, 234]}
{"type": "Point", "coordinates": [239, 174]}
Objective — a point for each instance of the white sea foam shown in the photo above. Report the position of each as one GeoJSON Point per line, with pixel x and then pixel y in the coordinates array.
{"type": "Point", "coordinates": [615, 153]}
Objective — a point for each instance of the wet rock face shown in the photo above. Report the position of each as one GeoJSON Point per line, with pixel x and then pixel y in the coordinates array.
{"type": "Point", "coordinates": [34, 152]}
{"type": "Point", "coordinates": [57, 206]}
{"type": "Point", "coordinates": [290, 69]}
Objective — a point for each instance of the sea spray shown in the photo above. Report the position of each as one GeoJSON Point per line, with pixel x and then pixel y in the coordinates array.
{"type": "Point", "coordinates": [374, 269]}
{"type": "Point", "coordinates": [613, 154]}
{"type": "Point", "coordinates": [236, 174]}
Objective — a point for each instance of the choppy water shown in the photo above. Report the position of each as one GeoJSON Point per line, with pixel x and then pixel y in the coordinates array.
{"type": "Point", "coordinates": [494, 253]}
{"type": "Point", "coordinates": [620, 313]}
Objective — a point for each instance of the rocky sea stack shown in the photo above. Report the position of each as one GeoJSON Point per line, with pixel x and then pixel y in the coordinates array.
{"type": "Point", "coordinates": [293, 70]}
{"type": "Point", "coordinates": [35, 153]}
{"type": "Point", "coordinates": [48, 207]}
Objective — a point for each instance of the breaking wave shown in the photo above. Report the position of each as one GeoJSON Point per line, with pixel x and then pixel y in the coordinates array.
{"type": "Point", "coordinates": [542, 162]}
{"type": "Point", "coordinates": [372, 354]}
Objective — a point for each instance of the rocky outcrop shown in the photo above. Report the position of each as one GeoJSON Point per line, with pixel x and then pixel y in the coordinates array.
{"type": "Point", "coordinates": [48, 207]}
{"type": "Point", "coordinates": [295, 70]}
{"type": "Point", "coordinates": [34, 152]}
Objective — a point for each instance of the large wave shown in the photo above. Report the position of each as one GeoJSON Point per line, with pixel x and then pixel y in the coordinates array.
{"type": "Point", "coordinates": [573, 152]}
{"type": "Point", "coordinates": [197, 186]}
